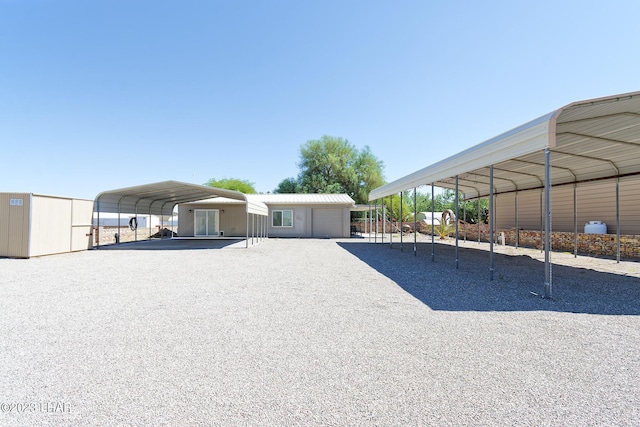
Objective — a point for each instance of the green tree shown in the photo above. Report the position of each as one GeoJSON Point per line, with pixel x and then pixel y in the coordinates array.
{"type": "Point", "coordinates": [472, 210]}
{"type": "Point", "coordinates": [236, 184]}
{"type": "Point", "coordinates": [369, 175]}
{"type": "Point", "coordinates": [287, 186]}
{"type": "Point", "coordinates": [442, 202]}
{"type": "Point", "coordinates": [394, 211]}
{"type": "Point", "coordinates": [333, 165]}
{"type": "Point", "coordinates": [423, 202]}
{"type": "Point", "coordinates": [326, 166]}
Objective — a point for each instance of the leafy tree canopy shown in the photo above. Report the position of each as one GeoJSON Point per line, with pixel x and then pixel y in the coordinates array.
{"type": "Point", "coordinates": [333, 165]}
{"type": "Point", "coordinates": [287, 186]}
{"type": "Point", "coordinates": [399, 211]}
{"type": "Point", "coordinates": [236, 184]}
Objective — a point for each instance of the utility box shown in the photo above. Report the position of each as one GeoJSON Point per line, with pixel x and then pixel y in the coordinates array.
{"type": "Point", "coordinates": [35, 225]}
{"type": "Point", "coordinates": [595, 227]}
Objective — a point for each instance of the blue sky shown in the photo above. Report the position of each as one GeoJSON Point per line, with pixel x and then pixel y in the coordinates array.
{"type": "Point", "coordinates": [98, 95]}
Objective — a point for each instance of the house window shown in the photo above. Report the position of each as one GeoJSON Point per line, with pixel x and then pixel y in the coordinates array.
{"type": "Point", "coordinates": [282, 218]}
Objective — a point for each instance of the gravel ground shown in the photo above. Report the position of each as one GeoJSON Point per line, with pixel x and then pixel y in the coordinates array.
{"type": "Point", "coordinates": [317, 332]}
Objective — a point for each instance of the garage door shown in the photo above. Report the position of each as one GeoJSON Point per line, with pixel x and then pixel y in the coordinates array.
{"type": "Point", "coordinates": [328, 222]}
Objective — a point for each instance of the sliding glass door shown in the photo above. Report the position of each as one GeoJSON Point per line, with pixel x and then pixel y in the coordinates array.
{"type": "Point", "coordinates": [207, 222]}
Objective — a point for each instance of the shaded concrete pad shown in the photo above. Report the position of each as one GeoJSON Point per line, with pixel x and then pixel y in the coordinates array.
{"type": "Point", "coordinates": [175, 244]}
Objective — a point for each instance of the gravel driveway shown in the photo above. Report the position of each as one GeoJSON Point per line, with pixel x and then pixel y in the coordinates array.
{"type": "Point", "coordinates": [314, 332]}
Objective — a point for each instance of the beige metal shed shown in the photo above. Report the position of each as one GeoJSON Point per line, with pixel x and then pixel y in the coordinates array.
{"type": "Point", "coordinates": [35, 225]}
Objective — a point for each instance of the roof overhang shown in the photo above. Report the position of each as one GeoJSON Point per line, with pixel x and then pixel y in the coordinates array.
{"type": "Point", "coordinates": [161, 197]}
{"type": "Point", "coordinates": [361, 208]}
{"type": "Point", "coordinates": [589, 140]}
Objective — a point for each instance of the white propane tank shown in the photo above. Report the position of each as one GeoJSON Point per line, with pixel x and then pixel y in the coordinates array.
{"type": "Point", "coordinates": [595, 227]}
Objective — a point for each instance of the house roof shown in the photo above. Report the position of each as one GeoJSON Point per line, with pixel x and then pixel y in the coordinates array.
{"type": "Point", "coordinates": [160, 198]}
{"type": "Point", "coordinates": [588, 140]}
{"type": "Point", "coordinates": [305, 199]}
{"type": "Point", "coordinates": [217, 200]}
{"type": "Point", "coordinates": [291, 199]}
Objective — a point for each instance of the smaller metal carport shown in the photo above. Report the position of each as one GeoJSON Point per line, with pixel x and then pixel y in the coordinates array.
{"type": "Point", "coordinates": [596, 139]}
{"type": "Point", "coordinates": [160, 198]}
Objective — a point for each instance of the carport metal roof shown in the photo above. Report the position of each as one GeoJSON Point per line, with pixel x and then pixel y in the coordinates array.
{"type": "Point", "coordinates": [161, 197]}
{"type": "Point", "coordinates": [588, 140]}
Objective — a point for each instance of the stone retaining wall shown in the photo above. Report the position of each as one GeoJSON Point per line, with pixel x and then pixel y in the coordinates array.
{"type": "Point", "coordinates": [588, 244]}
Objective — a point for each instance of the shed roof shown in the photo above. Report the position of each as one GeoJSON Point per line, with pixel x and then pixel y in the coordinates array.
{"type": "Point", "coordinates": [588, 140]}
{"type": "Point", "coordinates": [160, 198]}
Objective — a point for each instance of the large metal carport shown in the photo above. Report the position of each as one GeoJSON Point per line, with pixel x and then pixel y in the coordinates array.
{"type": "Point", "coordinates": [160, 198]}
{"type": "Point", "coordinates": [590, 140]}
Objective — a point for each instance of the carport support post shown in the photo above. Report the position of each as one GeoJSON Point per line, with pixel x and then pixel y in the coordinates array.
{"type": "Point", "coordinates": [517, 229]}
{"type": "Point", "coordinates": [464, 220]}
{"type": "Point", "coordinates": [369, 222]}
{"type": "Point", "coordinates": [246, 245]}
{"type": "Point", "coordinates": [618, 219]}
{"type": "Point", "coordinates": [575, 222]}
{"type": "Point", "coordinates": [98, 228]}
{"type": "Point", "coordinates": [547, 224]}
{"type": "Point", "coordinates": [479, 218]}
{"type": "Point", "coordinates": [118, 240]}
{"type": "Point", "coordinates": [384, 220]}
{"type": "Point", "coordinates": [491, 222]}
{"type": "Point", "coordinates": [415, 222]}
{"type": "Point", "coordinates": [136, 230]}
{"type": "Point", "coordinates": [391, 221]}
{"type": "Point", "coordinates": [457, 212]}
{"type": "Point", "coordinates": [433, 210]}
{"type": "Point", "coordinates": [401, 242]}
{"type": "Point", "coordinates": [375, 230]}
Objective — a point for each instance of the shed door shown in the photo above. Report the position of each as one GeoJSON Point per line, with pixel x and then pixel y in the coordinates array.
{"type": "Point", "coordinates": [81, 233]}
{"type": "Point", "coordinates": [328, 223]}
